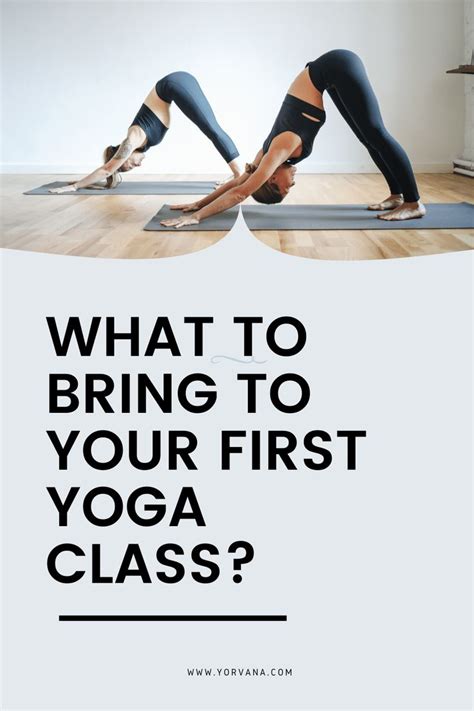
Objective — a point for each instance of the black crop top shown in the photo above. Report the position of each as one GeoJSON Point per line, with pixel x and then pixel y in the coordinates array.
{"type": "Point", "coordinates": [290, 118]}
{"type": "Point", "coordinates": [154, 128]}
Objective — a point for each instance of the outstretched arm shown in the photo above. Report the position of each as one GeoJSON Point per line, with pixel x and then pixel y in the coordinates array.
{"type": "Point", "coordinates": [228, 196]}
{"type": "Point", "coordinates": [228, 185]}
{"type": "Point", "coordinates": [221, 190]}
{"type": "Point", "coordinates": [133, 140]}
{"type": "Point", "coordinates": [258, 158]}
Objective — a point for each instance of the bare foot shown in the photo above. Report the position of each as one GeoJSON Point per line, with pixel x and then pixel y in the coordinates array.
{"type": "Point", "coordinates": [405, 211]}
{"type": "Point", "coordinates": [388, 204]}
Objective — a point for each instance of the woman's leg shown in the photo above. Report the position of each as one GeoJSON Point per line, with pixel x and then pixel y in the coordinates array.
{"type": "Point", "coordinates": [184, 90]}
{"type": "Point", "coordinates": [355, 92]}
{"type": "Point", "coordinates": [395, 197]}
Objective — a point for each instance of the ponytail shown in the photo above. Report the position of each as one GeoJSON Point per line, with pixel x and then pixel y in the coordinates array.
{"type": "Point", "coordinates": [115, 179]}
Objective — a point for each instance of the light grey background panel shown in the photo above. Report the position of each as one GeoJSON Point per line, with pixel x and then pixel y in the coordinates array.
{"type": "Point", "coordinates": [371, 566]}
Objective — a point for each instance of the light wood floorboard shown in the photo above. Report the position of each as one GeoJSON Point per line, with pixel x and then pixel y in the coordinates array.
{"type": "Point", "coordinates": [112, 226]}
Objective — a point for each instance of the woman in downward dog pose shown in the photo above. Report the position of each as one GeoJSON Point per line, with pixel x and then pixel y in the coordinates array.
{"type": "Point", "coordinates": [150, 125]}
{"type": "Point", "coordinates": [269, 178]}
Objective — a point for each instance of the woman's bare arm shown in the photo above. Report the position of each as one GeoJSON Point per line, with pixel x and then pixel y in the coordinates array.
{"type": "Point", "coordinates": [221, 190]}
{"type": "Point", "coordinates": [193, 206]}
{"type": "Point", "coordinates": [270, 162]}
{"type": "Point", "coordinates": [134, 139]}
{"type": "Point", "coordinates": [258, 158]}
{"type": "Point", "coordinates": [280, 151]}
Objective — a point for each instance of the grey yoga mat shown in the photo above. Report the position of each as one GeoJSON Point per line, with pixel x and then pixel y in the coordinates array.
{"type": "Point", "coordinates": [325, 217]}
{"type": "Point", "coordinates": [129, 187]}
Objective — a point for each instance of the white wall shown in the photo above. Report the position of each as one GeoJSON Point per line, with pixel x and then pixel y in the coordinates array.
{"type": "Point", "coordinates": [468, 152]}
{"type": "Point", "coordinates": [76, 72]}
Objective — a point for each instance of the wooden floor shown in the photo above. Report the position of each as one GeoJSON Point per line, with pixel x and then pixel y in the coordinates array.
{"type": "Point", "coordinates": [112, 226]}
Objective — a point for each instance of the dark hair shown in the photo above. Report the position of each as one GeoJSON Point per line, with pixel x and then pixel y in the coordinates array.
{"type": "Point", "coordinates": [266, 193]}
{"type": "Point", "coordinates": [114, 179]}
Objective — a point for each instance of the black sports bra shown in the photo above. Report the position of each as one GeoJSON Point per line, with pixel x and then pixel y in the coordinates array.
{"type": "Point", "coordinates": [154, 128]}
{"type": "Point", "coordinates": [291, 118]}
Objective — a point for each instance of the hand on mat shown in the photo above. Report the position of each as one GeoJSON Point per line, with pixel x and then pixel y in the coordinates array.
{"type": "Point", "coordinates": [180, 222]}
{"type": "Point", "coordinates": [69, 188]}
{"type": "Point", "coordinates": [187, 207]}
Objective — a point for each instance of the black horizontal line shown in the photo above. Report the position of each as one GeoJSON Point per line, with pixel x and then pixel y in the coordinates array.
{"type": "Point", "coordinates": [172, 618]}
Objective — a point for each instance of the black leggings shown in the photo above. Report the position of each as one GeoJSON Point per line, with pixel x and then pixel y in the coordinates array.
{"type": "Point", "coordinates": [184, 90]}
{"type": "Point", "coordinates": [343, 75]}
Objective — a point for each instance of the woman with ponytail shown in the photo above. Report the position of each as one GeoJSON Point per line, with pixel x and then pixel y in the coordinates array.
{"type": "Point", "coordinates": [150, 125]}
{"type": "Point", "coordinates": [342, 74]}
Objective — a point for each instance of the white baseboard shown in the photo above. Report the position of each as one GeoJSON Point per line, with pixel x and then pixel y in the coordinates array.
{"type": "Point", "coordinates": [318, 167]}
{"type": "Point", "coordinates": [308, 167]}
